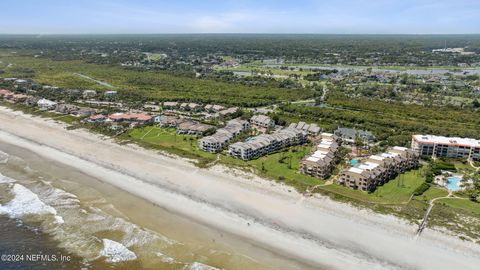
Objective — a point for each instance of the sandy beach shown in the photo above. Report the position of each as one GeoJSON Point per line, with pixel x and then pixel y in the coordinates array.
{"type": "Point", "coordinates": [316, 231]}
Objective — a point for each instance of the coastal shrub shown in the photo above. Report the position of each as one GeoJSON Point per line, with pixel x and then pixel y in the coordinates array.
{"type": "Point", "coordinates": [441, 165]}
{"type": "Point", "coordinates": [429, 177]}
{"type": "Point", "coordinates": [421, 189]}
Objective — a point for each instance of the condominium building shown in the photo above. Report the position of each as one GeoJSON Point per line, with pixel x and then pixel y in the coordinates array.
{"type": "Point", "coordinates": [312, 129]}
{"type": "Point", "coordinates": [262, 121]}
{"type": "Point", "coordinates": [378, 169]}
{"type": "Point", "coordinates": [267, 143]}
{"type": "Point", "coordinates": [191, 127]}
{"type": "Point", "coordinates": [348, 135]}
{"type": "Point", "coordinates": [451, 147]}
{"type": "Point", "coordinates": [217, 142]}
{"type": "Point", "coordinates": [321, 162]}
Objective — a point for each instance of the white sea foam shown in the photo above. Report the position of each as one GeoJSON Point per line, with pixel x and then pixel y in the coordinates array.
{"type": "Point", "coordinates": [5, 180]}
{"type": "Point", "coordinates": [24, 203]}
{"type": "Point", "coordinates": [165, 258]}
{"type": "Point", "coordinates": [3, 157]}
{"type": "Point", "coordinates": [199, 266]}
{"type": "Point", "coordinates": [116, 252]}
{"type": "Point", "coordinates": [59, 219]}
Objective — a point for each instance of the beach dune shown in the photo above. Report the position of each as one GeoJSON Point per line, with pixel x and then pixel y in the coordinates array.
{"type": "Point", "coordinates": [316, 230]}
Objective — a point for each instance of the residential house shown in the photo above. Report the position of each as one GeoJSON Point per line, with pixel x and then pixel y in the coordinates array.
{"type": "Point", "coordinates": [169, 105]}
{"type": "Point", "coordinates": [168, 120]}
{"type": "Point", "coordinates": [20, 83]}
{"type": "Point", "coordinates": [137, 118]}
{"type": "Point", "coordinates": [46, 105]}
{"type": "Point", "coordinates": [213, 108]}
{"type": "Point", "coordinates": [10, 80]}
{"type": "Point", "coordinates": [4, 93]}
{"type": "Point", "coordinates": [229, 111]}
{"type": "Point", "coordinates": [32, 101]}
{"type": "Point", "coordinates": [194, 107]}
{"type": "Point", "coordinates": [88, 94]}
{"type": "Point", "coordinates": [350, 134]}
{"type": "Point", "coordinates": [110, 94]}
{"type": "Point", "coordinates": [83, 112]}
{"type": "Point", "coordinates": [151, 107]}
{"type": "Point", "coordinates": [66, 108]}
{"type": "Point", "coordinates": [97, 118]}
{"type": "Point", "coordinates": [17, 98]}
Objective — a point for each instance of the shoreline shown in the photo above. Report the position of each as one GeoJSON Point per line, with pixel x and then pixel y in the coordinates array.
{"type": "Point", "coordinates": [315, 230]}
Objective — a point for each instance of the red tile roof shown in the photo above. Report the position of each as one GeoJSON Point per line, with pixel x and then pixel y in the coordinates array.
{"type": "Point", "coordinates": [4, 92]}
{"type": "Point", "coordinates": [130, 117]}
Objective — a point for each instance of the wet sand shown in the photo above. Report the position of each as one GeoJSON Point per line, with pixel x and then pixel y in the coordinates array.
{"type": "Point", "coordinates": [315, 231]}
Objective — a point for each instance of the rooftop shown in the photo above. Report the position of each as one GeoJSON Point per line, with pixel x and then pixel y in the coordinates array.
{"type": "Point", "coordinates": [431, 139]}
{"type": "Point", "coordinates": [356, 170]}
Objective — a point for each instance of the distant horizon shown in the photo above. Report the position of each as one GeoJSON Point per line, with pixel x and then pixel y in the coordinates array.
{"type": "Point", "coordinates": [219, 34]}
{"type": "Point", "coordinates": [347, 17]}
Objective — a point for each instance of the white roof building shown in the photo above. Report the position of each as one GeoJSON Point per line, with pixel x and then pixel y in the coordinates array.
{"type": "Point", "coordinates": [453, 141]}
{"type": "Point", "coordinates": [46, 104]}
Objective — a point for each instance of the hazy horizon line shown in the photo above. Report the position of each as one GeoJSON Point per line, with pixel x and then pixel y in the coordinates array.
{"type": "Point", "coordinates": [240, 33]}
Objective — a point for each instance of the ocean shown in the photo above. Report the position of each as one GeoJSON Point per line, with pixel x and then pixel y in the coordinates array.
{"type": "Point", "coordinates": [54, 217]}
{"type": "Point", "coordinates": [18, 238]}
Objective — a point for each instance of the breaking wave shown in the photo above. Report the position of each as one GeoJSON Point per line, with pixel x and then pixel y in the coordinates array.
{"type": "Point", "coordinates": [5, 180]}
{"type": "Point", "coordinates": [3, 157]}
{"type": "Point", "coordinates": [199, 266]}
{"type": "Point", "coordinates": [115, 252]}
{"type": "Point", "coordinates": [81, 228]}
{"type": "Point", "coordinates": [26, 203]}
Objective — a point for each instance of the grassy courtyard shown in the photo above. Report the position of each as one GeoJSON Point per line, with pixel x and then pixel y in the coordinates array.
{"type": "Point", "coordinates": [396, 191]}
{"type": "Point", "coordinates": [281, 166]}
{"type": "Point", "coordinates": [168, 140]}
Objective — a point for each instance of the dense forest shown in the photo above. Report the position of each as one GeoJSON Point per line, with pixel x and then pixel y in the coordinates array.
{"type": "Point", "coordinates": [332, 49]}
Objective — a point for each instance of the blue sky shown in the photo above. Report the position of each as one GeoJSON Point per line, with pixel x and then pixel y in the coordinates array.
{"type": "Point", "coordinates": [240, 16]}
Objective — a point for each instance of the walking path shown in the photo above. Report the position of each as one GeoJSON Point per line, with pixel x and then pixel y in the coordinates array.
{"type": "Point", "coordinates": [423, 223]}
{"type": "Point", "coordinates": [92, 79]}
{"type": "Point", "coordinates": [148, 132]}
{"type": "Point", "coordinates": [473, 165]}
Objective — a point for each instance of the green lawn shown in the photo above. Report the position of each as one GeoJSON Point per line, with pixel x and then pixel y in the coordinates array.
{"type": "Point", "coordinates": [432, 193]}
{"type": "Point", "coordinates": [282, 166]}
{"type": "Point", "coordinates": [167, 139]}
{"type": "Point", "coordinates": [398, 190]}
{"type": "Point", "coordinates": [464, 204]}
{"type": "Point", "coordinates": [463, 167]}
{"type": "Point", "coordinates": [69, 119]}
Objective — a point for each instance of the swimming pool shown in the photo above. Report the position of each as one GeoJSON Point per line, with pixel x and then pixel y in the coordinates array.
{"type": "Point", "coordinates": [453, 183]}
{"type": "Point", "coordinates": [354, 162]}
